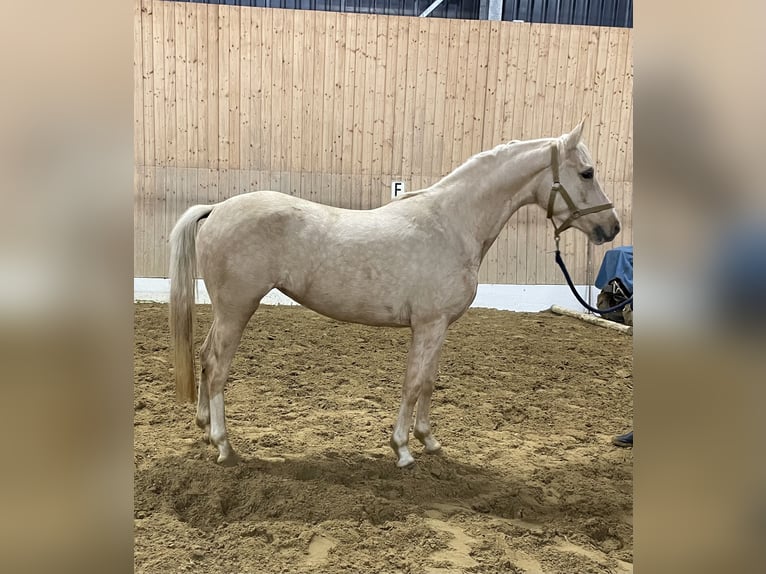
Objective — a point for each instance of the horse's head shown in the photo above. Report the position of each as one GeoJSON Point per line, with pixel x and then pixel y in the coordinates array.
{"type": "Point", "coordinates": [576, 198]}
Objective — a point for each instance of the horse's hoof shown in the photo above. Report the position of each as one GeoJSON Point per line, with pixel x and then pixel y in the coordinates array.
{"type": "Point", "coordinates": [206, 437]}
{"type": "Point", "coordinates": [405, 462]}
{"type": "Point", "coordinates": [431, 445]}
{"type": "Point", "coordinates": [230, 460]}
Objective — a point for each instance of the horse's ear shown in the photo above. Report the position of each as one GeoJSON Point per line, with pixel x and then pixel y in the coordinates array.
{"type": "Point", "coordinates": [573, 137]}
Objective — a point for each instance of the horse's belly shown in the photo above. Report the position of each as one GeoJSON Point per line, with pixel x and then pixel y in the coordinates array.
{"type": "Point", "coordinates": [395, 304]}
{"type": "Point", "coordinates": [352, 306]}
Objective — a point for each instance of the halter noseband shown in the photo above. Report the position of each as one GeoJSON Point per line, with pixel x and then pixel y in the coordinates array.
{"type": "Point", "coordinates": [558, 188]}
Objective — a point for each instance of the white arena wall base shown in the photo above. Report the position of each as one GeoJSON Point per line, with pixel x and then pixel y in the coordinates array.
{"type": "Point", "coordinates": [529, 298]}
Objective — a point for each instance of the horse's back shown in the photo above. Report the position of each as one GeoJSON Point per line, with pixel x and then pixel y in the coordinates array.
{"type": "Point", "coordinates": [263, 204]}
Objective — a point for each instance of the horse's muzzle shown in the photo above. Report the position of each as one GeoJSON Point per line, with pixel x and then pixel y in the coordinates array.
{"type": "Point", "coordinates": [601, 235]}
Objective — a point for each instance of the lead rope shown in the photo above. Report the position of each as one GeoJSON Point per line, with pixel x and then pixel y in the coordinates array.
{"type": "Point", "coordinates": [560, 263]}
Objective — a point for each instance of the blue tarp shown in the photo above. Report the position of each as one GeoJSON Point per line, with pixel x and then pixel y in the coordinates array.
{"type": "Point", "coordinates": [617, 264]}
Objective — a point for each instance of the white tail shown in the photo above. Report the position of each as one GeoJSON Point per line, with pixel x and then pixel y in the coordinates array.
{"type": "Point", "coordinates": [183, 264]}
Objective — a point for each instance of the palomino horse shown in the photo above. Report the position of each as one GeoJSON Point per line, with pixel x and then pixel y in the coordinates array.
{"type": "Point", "coordinates": [411, 263]}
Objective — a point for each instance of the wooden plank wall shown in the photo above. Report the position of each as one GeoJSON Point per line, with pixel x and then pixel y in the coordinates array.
{"type": "Point", "coordinates": [333, 107]}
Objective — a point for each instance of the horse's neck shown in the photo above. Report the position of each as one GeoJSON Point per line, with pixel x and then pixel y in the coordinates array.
{"type": "Point", "coordinates": [482, 194]}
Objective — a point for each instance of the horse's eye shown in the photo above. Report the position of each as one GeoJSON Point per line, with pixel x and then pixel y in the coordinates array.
{"type": "Point", "coordinates": [587, 174]}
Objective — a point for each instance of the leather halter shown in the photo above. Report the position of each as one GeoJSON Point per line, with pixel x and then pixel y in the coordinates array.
{"type": "Point", "coordinates": [557, 188]}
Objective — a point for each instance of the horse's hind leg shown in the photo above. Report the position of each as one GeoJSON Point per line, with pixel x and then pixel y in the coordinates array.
{"type": "Point", "coordinates": [422, 363]}
{"type": "Point", "coordinates": [215, 358]}
{"type": "Point", "coordinates": [203, 399]}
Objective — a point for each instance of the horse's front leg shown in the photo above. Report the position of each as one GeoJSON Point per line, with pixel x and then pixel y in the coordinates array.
{"type": "Point", "coordinates": [422, 430]}
{"type": "Point", "coordinates": [422, 363]}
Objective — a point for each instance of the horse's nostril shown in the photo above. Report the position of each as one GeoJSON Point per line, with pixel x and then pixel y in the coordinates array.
{"type": "Point", "coordinates": [599, 233]}
{"type": "Point", "coordinates": [616, 228]}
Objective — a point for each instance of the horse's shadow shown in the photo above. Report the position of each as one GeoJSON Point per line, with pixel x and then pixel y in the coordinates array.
{"type": "Point", "coordinates": [337, 486]}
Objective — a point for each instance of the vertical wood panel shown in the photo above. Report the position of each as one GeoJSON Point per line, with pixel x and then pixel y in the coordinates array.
{"type": "Point", "coordinates": [480, 92]}
{"type": "Point", "coordinates": [138, 86]}
{"type": "Point", "coordinates": [494, 92]}
{"type": "Point", "coordinates": [333, 106]}
{"type": "Point", "coordinates": [171, 132]}
{"type": "Point", "coordinates": [201, 70]}
{"type": "Point", "coordinates": [146, 63]}
{"type": "Point", "coordinates": [277, 96]}
{"type": "Point", "coordinates": [371, 111]}
{"type": "Point", "coordinates": [566, 89]}
{"type": "Point", "coordinates": [224, 86]}
{"type": "Point", "coordinates": [349, 81]}
{"type": "Point", "coordinates": [160, 110]}
{"type": "Point", "coordinates": [559, 87]}
{"type": "Point", "coordinates": [266, 111]}
{"type": "Point", "coordinates": [440, 100]}
{"type": "Point", "coordinates": [626, 129]}
{"type": "Point", "coordinates": [192, 63]}
{"type": "Point", "coordinates": [140, 245]}
{"type": "Point", "coordinates": [379, 93]}
{"type": "Point", "coordinates": [451, 95]}
{"type": "Point", "coordinates": [246, 51]}
{"type": "Point", "coordinates": [359, 81]}
{"type": "Point", "coordinates": [379, 117]}
{"type": "Point", "coordinates": [430, 83]}
{"type": "Point", "coordinates": [182, 87]}
{"type": "Point", "coordinates": [212, 87]}
{"type": "Point", "coordinates": [338, 109]}
{"type": "Point", "coordinates": [253, 60]}
{"type": "Point", "coordinates": [420, 94]}
{"type": "Point", "coordinates": [466, 138]}
{"type": "Point", "coordinates": [400, 99]}
{"type": "Point", "coordinates": [408, 121]}
{"type": "Point", "coordinates": [234, 87]}
{"type": "Point", "coordinates": [139, 161]}
{"type": "Point", "coordinates": [296, 90]}
{"type": "Point", "coordinates": [329, 34]}
{"type": "Point", "coordinates": [156, 214]}
{"type": "Point", "coordinates": [313, 101]}
{"type": "Point", "coordinates": [391, 34]}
